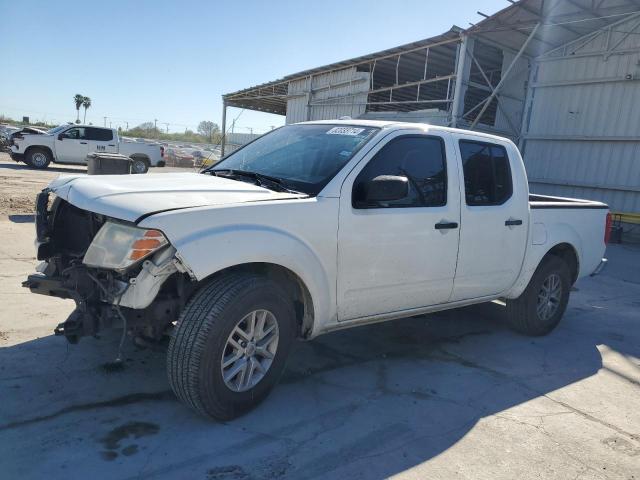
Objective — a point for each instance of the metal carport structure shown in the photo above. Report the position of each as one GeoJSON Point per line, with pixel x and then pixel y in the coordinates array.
{"type": "Point", "coordinates": [489, 77]}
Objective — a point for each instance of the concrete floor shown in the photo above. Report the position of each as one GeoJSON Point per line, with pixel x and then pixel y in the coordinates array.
{"type": "Point", "coordinates": [451, 395]}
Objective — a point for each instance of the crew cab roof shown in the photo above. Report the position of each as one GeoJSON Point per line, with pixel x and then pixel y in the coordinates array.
{"type": "Point", "coordinates": [391, 125]}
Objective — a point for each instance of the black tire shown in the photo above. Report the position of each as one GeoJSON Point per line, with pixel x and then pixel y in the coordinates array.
{"type": "Point", "coordinates": [522, 313]}
{"type": "Point", "coordinates": [139, 165]}
{"type": "Point", "coordinates": [38, 158]}
{"type": "Point", "coordinates": [199, 339]}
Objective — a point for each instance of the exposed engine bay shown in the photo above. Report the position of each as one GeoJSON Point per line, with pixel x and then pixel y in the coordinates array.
{"type": "Point", "coordinates": [143, 293]}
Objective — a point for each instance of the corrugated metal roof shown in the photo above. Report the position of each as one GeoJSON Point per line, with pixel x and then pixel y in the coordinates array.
{"type": "Point", "coordinates": [562, 22]}
{"type": "Point", "coordinates": [450, 35]}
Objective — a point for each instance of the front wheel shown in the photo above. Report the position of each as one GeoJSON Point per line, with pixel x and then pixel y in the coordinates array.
{"type": "Point", "coordinates": [231, 345]}
{"type": "Point", "coordinates": [541, 306]}
{"type": "Point", "coordinates": [38, 158]}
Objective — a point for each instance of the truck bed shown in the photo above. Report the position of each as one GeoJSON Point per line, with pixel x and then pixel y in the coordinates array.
{"type": "Point", "coordinates": [580, 223]}
{"type": "Point", "coordinates": [546, 201]}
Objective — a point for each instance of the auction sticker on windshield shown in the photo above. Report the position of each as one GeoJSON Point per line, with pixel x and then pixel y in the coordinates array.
{"type": "Point", "coordinates": [351, 131]}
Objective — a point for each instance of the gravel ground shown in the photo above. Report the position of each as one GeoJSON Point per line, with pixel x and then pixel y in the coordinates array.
{"type": "Point", "coordinates": [20, 184]}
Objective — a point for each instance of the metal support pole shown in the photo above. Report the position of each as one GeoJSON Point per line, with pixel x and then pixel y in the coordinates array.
{"type": "Point", "coordinates": [528, 105]}
{"type": "Point", "coordinates": [500, 106]}
{"type": "Point", "coordinates": [458, 101]}
{"type": "Point", "coordinates": [505, 76]}
{"type": "Point", "coordinates": [309, 94]}
{"type": "Point", "coordinates": [373, 69]}
{"type": "Point", "coordinates": [224, 127]}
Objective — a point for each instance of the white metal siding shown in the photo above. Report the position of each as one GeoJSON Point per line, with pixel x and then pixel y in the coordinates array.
{"type": "Point", "coordinates": [333, 95]}
{"type": "Point", "coordinates": [509, 114]}
{"type": "Point", "coordinates": [583, 136]}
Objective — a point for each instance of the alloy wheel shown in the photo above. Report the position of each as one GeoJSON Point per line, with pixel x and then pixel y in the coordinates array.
{"type": "Point", "coordinates": [39, 159]}
{"type": "Point", "coordinates": [549, 297]}
{"type": "Point", "coordinates": [250, 350]}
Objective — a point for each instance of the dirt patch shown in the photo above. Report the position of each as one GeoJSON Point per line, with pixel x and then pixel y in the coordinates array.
{"type": "Point", "coordinates": [113, 367]}
{"type": "Point", "coordinates": [17, 204]}
{"type": "Point", "coordinates": [21, 184]}
{"type": "Point", "coordinates": [112, 440]}
{"type": "Point", "coordinates": [227, 472]}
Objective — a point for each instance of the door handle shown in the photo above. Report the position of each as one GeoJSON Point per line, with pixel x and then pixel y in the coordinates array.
{"type": "Point", "coordinates": [446, 225]}
{"type": "Point", "coordinates": [83, 143]}
{"type": "Point", "coordinates": [112, 145]}
{"type": "Point", "coordinates": [512, 221]}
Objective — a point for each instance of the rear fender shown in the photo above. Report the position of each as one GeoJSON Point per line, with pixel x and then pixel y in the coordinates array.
{"type": "Point", "coordinates": [551, 236]}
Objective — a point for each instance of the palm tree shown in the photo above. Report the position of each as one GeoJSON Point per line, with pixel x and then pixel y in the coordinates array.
{"type": "Point", "coordinates": [78, 99]}
{"type": "Point", "coordinates": [86, 103]}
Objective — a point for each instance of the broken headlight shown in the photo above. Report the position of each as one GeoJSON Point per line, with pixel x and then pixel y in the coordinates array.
{"type": "Point", "coordinates": [118, 246]}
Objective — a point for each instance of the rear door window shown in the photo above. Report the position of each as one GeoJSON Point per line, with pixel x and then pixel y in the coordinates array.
{"type": "Point", "coordinates": [487, 175]}
{"type": "Point", "coordinates": [99, 134]}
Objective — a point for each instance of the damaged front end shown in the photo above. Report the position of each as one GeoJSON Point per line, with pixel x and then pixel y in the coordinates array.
{"type": "Point", "coordinates": [117, 274]}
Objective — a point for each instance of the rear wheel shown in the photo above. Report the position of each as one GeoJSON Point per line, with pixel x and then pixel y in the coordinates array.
{"type": "Point", "coordinates": [231, 344]}
{"type": "Point", "coordinates": [139, 165]}
{"type": "Point", "coordinates": [541, 306]}
{"type": "Point", "coordinates": [38, 158]}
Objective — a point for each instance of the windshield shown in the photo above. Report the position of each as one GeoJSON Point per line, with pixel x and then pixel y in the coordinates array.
{"type": "Point", "coordinates": [57, 129]}
{"type": "Point", "coordinates": [303, 157]}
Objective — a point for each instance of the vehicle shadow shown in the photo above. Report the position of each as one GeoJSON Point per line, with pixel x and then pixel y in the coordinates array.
{"type": "Point", "coordinates": [376, 400]}
{"type": "Point", "coordinates": [50, 168]}
{"type": "Point", "coordinates": [22, 218]}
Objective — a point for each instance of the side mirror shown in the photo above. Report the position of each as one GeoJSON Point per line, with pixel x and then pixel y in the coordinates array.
{"type": "Point", "coordinates": [385, 188]}
{"type": "Point", "coordinates": [60, 136]}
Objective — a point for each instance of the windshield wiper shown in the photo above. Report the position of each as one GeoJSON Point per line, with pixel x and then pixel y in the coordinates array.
{"type": "Point", "coordinates": [263, 180]}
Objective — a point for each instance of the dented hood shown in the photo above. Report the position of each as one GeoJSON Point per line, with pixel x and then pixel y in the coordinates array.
{"type": "Point", "coordinates": [129, 197]}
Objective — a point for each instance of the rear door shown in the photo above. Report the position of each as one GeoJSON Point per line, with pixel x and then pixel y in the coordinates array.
{"type": "Point", "coordinates": [72, 146]}
{"type": "Point", "coordinates": [494, 220]}
{"type": "Point", "coordinates": [101, 140]}
{"type": "Point", "coordinates": [400, 255]}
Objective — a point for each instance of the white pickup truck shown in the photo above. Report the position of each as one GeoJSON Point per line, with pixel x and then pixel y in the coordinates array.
{"type": "Point", "coordinates": [311, 228]}
{"type": "Point", "coordinates": [70, 144]}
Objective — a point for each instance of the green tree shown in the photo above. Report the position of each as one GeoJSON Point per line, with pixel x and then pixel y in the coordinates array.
{"type": "Point", "coordinates": [207, 129]}
{"type": "Point", "coordinates": [78, 99]}
{"type": "Point", "coordinates": [147, 127]}
{"type": "Point", "coordinates": [86, 103]}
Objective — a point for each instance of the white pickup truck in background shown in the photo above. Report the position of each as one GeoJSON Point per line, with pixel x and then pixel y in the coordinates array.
{"type": "Point", "coordinates": [311, 228]}
{"type": "Point", "coordinates": [70, 144]}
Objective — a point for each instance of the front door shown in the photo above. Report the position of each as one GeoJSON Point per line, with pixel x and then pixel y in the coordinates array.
{"type": "Point", "coordinates": [72, 146]}
{"type": "Point", "coordinates": [494, 220]}
{"type": "Point", "coordinates": [399, 255]}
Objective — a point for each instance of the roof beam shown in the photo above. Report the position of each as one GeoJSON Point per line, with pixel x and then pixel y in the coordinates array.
{"type": "Point", "coordinates": [513, 28]}
{"type": "Point", "coordinates": [595, 14]}
{"type": "Point", "coordinates": [543, 17]}
{"type": "Point", "coordinates": [344, 65]}
{"type": "Point", "coordinates": [505, 76]}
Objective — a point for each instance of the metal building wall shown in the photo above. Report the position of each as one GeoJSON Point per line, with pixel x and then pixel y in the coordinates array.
{"type": "Point", "coordinates": [482, 68]}
{"type": "Point", "coordinates": [582, 132]}
{"type": "Point", "coordinates": [512, 95]}
{"type": "Point", "coordinates": [328, 96]}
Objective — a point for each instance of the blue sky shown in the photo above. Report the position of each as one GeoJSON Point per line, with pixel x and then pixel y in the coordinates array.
{"type": "Point", "coordinates": [172, 60]}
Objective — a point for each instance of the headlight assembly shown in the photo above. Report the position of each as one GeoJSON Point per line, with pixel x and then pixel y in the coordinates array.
{"type": "Point", "coordinates": [118, 246]}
